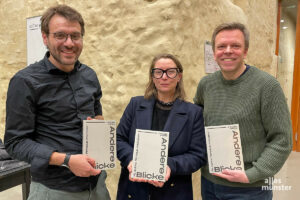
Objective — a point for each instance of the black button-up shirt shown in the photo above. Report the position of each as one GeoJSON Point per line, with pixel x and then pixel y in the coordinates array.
{"type": "Point", "coordinates": [44, 112]}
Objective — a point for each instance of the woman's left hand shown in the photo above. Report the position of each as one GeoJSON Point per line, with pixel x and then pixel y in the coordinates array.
{"type": "Point", "coordinates": [129, 167]}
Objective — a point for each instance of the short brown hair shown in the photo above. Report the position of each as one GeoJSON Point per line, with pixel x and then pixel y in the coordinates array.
{"type": "Point", "coordinates": [151, 90]}
{"type": "Point", "coordinates": [64, 11]}
{"type": "Point", "coordinates": [231, 26]}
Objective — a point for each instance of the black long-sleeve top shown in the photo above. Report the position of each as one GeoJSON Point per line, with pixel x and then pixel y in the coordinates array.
{"type": "Point", "coordinates": [44, 111]}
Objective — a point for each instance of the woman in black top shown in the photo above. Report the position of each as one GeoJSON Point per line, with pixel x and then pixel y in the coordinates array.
{"type": "Point", "coordinates": [163, 108]}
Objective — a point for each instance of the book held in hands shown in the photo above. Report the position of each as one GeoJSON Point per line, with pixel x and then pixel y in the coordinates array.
{"type": "Point", "coordinates": [99, 142]}
{"type": "Point", "coordinates": [150, 155]}
{"type": "Point", "coordinates": [224, 149]}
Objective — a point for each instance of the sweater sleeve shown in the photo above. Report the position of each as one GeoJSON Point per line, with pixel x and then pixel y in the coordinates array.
{"type": "Point", "coordinates": [198, 99]}
{"type": "Point", "coordinates": [277, 124]}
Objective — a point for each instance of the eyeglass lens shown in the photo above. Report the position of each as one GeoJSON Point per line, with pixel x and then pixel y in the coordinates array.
{"type": "Point", "coordinates": [62, 37]}
{"type": "Point", "coordinates": [158, 73]}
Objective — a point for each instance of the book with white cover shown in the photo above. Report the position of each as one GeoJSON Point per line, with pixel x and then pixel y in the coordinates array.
{"type": "Point", "coordinates": [224, 148]}
{"type": "Point", "coordinates": [150, 155]}
{"type": "Point", "coordinates": [99, 142]}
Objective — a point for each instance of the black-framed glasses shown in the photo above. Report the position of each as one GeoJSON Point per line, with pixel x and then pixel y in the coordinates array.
{"type": "Point", "coordinates": [158, 73]}
{"type": "Point", "coordinates": [62, 37]}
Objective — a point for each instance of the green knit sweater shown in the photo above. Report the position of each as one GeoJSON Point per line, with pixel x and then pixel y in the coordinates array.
{"type": "Point", "coordinates": [256, 102]}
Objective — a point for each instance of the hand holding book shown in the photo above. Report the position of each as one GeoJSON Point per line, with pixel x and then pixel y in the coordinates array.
{"type": "Point", "coordinates": [233, 176]}
{"type": "Point", "coordinates": [155, 183]}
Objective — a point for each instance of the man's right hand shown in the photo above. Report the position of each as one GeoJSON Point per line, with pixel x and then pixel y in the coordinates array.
{"type": "Point", "coordinates": [83, 166]}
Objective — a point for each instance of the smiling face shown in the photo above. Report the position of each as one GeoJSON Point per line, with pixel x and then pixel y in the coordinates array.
{"type": "Point", "coordinates": [230, 52]}
{"type": "Point", "coordinates": [63, 54]}
{"type": "Point", "coordinates": [166, 86]}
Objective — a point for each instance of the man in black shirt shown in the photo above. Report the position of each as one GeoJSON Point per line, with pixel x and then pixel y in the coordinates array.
{"type": "Point", "coordinates": [46, 103]}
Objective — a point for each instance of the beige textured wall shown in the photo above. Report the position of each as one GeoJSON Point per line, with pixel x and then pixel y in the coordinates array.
{"type": "Point", "coordinates": [123, 36]}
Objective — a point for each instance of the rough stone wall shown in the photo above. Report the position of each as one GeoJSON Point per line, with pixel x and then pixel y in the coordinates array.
{"type": "Point", "coordinates": [123, 36]}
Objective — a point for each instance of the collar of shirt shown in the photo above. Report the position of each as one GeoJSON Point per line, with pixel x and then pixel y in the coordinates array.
{"type": "Point", "coordinates": [53, 69]}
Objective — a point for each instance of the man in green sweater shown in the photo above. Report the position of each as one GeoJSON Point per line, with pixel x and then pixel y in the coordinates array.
{"type": "Point", "coordinates": [244, 95]}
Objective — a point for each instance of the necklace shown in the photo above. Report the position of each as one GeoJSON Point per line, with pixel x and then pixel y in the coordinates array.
{"type": "Point", "coordinates": [164, 103]}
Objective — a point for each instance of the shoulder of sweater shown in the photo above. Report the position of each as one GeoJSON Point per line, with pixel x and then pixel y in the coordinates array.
{"type": "Point", "coordinates": [210, 78]}
{"type": "Point", "coordinates": [263, 78]}
{"type": "Point", "coordinates": [262, 73]}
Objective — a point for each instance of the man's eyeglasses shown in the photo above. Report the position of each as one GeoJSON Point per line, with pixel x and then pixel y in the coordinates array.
{"type": "Point", "coordinates": [158, 73]}
{"type": "Point", "coordinates": [62, 37]}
